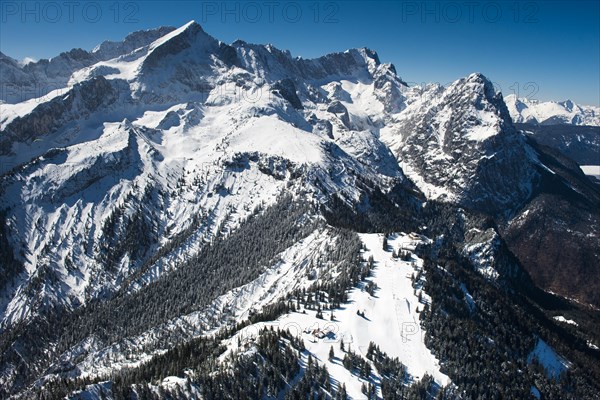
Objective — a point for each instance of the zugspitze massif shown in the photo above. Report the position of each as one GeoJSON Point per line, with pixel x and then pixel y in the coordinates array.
{"type": "Point", "coordinates": [183, 218]}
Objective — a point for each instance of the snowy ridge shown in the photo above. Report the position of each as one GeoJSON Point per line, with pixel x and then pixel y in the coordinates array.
{"type": "Point", "coordinates": [398, 333]}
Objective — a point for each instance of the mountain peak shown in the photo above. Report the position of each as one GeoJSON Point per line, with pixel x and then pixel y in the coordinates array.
{"type": "Point", "coordinates": [192, 26]}
{"type": "Point", "coordinates": [481, 81]}
{"type": "Point", "coordinates": [371, 54]}
{"type": "Point", "coordinates": [190, 35]}
{"type": "Point", "coordinates": [476, 88]}
{"type": "Point", "coordinates": [478, 77]}
{"type": "Point", "coordinates": [190, 29]}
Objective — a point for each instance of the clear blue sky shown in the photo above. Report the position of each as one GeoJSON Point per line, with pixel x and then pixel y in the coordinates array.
{"type": "Point", "coordinates": [548, 50]}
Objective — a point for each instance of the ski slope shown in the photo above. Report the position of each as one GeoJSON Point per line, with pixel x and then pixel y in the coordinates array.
{"type": "Point", "coordinates": [390, 320]}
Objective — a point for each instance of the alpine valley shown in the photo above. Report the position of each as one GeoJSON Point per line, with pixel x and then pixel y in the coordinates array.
{"type": "Point", "coordinates": [182, 218]}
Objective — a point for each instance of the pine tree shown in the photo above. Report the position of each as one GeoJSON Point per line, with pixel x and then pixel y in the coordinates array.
{"type": "Point", "coordinates": [342, 393]}
{"type": "Point", "coordinates": [367, 370]}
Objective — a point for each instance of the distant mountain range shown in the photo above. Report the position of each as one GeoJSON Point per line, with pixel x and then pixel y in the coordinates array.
{"type": "Point", "coordinates": [551, 112]}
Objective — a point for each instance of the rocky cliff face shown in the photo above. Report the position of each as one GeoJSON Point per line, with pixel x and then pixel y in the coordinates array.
{"type": "Point", "coordinates": [459, 144]}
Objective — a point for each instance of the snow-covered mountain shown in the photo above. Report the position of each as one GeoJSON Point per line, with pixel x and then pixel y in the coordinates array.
{"type": "Point", "coordinates": [180, 146]}
{"type": "Point", "coordinates": [172, 190]}
{"type": "Point", "coordinates": [551, 112]}
{"type": "Point", "coordinates": [459, 144]}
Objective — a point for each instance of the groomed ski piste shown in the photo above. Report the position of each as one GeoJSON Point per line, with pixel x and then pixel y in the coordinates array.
{"type": "Point", "coordinates": [389, 319]}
